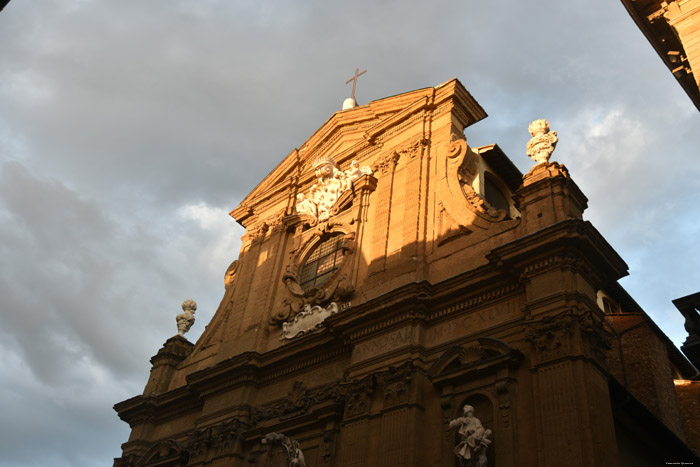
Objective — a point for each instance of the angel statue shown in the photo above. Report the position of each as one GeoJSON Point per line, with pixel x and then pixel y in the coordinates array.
{"type": "Point", "coordinates": [474, 439]}
{"type": "Point", "coordinates": [542, 143]}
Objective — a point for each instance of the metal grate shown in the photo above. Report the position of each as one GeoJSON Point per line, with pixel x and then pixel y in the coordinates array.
{"type": "Point", "coordinates": [322, 263]}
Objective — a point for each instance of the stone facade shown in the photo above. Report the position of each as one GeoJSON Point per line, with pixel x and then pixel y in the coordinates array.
{"type": "Point", "coordinates": [353, 333]}
{"type": "Point", "coordinates": [673, 29]}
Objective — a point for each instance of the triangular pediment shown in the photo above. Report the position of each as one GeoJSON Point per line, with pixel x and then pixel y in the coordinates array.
{"type": "Point", "coordinates": [356, 134]}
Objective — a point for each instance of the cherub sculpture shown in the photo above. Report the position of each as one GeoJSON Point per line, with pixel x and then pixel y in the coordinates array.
{"type": "Point", "coordinates": [331, 182]}
{"type": "Point", "coordinates": [542, 143]}
{"type": "Point", "coordinates": [185, 320]}
{"type": "Point", "coordinates": [474, 439]}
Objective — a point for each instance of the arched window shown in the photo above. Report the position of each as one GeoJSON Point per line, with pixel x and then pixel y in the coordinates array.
{"type": "Point", "coordinates": [323, 261]}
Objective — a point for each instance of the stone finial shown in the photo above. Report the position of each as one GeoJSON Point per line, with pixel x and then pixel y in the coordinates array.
{"type": "Point", "coordinates": [185, 320]}
{"type": "Point", "coordinates": [543, 141]}
{"type": "Point", "coordinates": [474, 439]}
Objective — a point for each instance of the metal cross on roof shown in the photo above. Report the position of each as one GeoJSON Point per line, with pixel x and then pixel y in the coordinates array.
{"type": "Point", "coordinates": [354, 80]}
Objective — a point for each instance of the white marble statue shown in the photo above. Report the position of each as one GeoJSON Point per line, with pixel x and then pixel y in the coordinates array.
{"type": "Point", "coordinates": [542, 143]}
{"type": "Point", "coordinates": [330, 184]}
{"type": "Point", "coordinates": [185, 320]}
{"type": "Point", "coordinates": [474, 439]}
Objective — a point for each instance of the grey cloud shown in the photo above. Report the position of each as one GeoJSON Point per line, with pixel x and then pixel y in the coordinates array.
{"type": "Point", "coordinates": [113, 116]}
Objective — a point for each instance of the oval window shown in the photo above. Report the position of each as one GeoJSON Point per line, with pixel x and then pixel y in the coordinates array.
{"type": "Point", "coordinates": [323, 261]}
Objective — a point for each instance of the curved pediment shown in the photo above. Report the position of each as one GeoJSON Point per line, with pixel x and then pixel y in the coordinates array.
{"type": "Point", "coordinates": [484, 354]}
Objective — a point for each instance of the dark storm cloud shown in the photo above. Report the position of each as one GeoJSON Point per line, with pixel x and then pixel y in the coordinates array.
{"type": "Point", "coordinates": [129, 129]}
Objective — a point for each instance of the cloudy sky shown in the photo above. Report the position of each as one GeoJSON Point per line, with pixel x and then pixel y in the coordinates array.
{"type": "Point", "coordinates": [129, 129]}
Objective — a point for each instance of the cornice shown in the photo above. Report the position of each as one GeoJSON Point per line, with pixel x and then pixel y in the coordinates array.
{"type": "Point", "coordinates": [150, 408]}
{"type": "Point", "coordinates": [570, 240]}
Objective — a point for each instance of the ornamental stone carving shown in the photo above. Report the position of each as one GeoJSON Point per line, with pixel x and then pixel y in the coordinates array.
{"type": "Point", "coordinates": [230, 275]}
{"type": "Point", "coordinates": [185, 320]}
{"type": "Point", "coordinates": [542, 143]}
{"type": "Point", "coordinates": [395, 383]}
{"type": "Point", "coordinates": [474, 439]}
{"type": "Point", "coordinates": [308, 320]}
{"type": "Point", "coordinates": [283, 451]}
{"type": "Point", "coordinates": [331, 183]}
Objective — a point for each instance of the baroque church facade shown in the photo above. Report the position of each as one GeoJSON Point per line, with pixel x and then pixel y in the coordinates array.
{"type": "Point", "coordinates": [394, 285]}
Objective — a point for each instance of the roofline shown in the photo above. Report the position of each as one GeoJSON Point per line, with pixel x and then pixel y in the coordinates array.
{"type": "Point", "coordinates": [677, 357]}
{"type": "Point", "coordinates": [687, 81]}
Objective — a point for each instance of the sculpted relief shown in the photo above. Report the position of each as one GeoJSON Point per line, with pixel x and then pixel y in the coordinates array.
{"type": "Point", "coordinates": [330, 184]}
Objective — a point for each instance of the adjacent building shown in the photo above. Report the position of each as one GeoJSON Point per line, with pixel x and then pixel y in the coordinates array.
{"type": "Point", "coordinates": [673, 29]}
